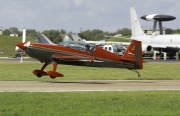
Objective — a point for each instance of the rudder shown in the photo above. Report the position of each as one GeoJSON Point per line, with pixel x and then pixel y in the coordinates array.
{"type": "Point", "coordinates": [133, 56]}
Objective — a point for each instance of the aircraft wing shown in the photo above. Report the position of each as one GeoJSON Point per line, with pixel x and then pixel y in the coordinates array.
{"type": "Point", "coordinates": [118, 37]}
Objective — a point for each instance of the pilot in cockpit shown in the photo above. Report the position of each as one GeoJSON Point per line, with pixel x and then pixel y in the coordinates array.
{"type": "Point", "coordinates": [87, 47]}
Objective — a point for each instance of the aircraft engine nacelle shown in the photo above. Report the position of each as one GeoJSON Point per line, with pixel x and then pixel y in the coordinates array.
{"type": "Point", "coordinates": [146, 48]}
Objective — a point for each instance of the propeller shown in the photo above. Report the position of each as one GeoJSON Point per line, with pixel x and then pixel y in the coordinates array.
{"type": "Point", "coordinates": [23, 38]}
{"type": "Point", "coordinates": [23, 42]}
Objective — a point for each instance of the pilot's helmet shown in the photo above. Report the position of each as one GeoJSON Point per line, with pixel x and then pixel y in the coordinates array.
{"type": "Point", "coordinates": [87, 45]}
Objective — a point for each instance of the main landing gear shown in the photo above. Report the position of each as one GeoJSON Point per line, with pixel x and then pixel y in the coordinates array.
{"type": "Point", "coordinates": [53, 74]}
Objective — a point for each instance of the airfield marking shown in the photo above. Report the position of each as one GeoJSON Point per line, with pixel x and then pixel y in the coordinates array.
{"type": "Point", "coordinates": [86, 86]}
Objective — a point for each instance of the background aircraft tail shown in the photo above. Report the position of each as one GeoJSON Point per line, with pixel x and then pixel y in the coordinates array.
{"type": "Point", "coordinates": [76, 37]}
{"type": "Point", "coordinates": [136, 29]}
{"type": "Point", "coordinates": [132, 58]}
{"type": "Point", "coordinates": [44, 39]}
{"type": "Point", "coordinates": [65, 37]}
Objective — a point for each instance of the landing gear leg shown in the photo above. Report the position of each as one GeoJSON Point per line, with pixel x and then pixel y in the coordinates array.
{"type": "Point", "coordinates": [54, 70]}
{"type": "Point", "coordinates": [44, 66]}
{"type": "Point", "coordinates": [53, 74]}
{"type": "Point", "coordinates": [40, 73]}
{"type": "Point", "coordinates": [136, 72]}
{"type": "Point", "coordinates": [54, 67]}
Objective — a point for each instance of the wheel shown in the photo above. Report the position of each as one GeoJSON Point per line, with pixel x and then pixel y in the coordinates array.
{"type": "Point", "coordinates": [39, 75]}
{"type": "Point", "coordinates": [52, 77]}
{"type": "Point", "coordinates": [139, 75]}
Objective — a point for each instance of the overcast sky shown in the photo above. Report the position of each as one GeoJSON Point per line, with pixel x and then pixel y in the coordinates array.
{"type": "Point", "coordinates": [76, 15]}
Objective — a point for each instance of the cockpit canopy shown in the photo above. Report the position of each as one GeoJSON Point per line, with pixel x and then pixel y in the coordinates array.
{"type": "Point", "coordinates": [79, 45]}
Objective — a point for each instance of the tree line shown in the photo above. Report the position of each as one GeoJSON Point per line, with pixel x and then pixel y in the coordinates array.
{"type": "Point", "coordinates": [94, 35]}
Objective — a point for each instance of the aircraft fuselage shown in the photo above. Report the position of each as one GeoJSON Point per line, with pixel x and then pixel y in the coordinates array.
{"type": "Point", "coordinates": [45, 53]}
{"type": "Point", "coordinates": [164, 43]}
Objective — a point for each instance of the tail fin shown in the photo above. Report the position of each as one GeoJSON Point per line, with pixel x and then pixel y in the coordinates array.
{"type": "Point", "coordinates": [133, 56]}
{"type": "Point", "coordinates": [65, 37]}
{"type": "Point", "coordinates": [136, 29]}
{"type": "Point", "coordinates": [76, 37]}
{"type": "Point", "coordinates": [44, 39]}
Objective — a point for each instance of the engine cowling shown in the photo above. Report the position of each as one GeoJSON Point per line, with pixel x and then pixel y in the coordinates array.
{"type": "Point", "coordinates": [147, 48]}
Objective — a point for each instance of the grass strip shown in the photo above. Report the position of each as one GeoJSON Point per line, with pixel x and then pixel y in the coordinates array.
{"type": "Point", "coordinates": [151, 71]}
{"type": "Point", "coordinates": [137, 103]}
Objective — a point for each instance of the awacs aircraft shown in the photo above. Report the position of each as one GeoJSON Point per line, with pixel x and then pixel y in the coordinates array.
{"type": "Point", "coordinates": [55, 54]}
{"type": "Point", "coordinates": [161, 43]}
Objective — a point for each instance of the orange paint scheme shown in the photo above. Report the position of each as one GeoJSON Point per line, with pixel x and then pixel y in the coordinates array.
{"type": "Point", "coordinates": [49, 53]}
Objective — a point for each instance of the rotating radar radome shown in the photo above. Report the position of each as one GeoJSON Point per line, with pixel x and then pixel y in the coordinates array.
{"type": "Point", "coordinates": [158, 17]}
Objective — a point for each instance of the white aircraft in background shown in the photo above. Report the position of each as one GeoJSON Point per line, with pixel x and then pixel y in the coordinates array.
{"type": "Point", "coordinates": [43, 39]}
{"type": "Point", "coordinates": [77, 38]}
{"type": "Point", "coordinates": [114, 47]}
{"type": "Point", "coordinates": [115, 36]}
{"type": "Point", "coordinates": [162, 43]}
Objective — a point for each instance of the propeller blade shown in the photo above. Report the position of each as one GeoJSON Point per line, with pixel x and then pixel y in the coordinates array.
{"type": "Point", "coordinates": [27, 44]}
{"type": "Point", "coordinates": [24, 35]}
{"type": "Point", "coordinates": [16, 48]}
{"type": "Point", "coordinates": [23, 39]}
{"type": "Point", "coordinates": [21, 59]}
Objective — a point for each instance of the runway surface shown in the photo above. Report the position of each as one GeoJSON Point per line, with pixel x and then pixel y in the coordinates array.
{"type": "Point", "coordinates": [92, 85]}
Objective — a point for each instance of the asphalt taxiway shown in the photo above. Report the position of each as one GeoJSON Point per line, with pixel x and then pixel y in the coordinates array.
{"type": "Point", "coordinates": [89, 85]}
